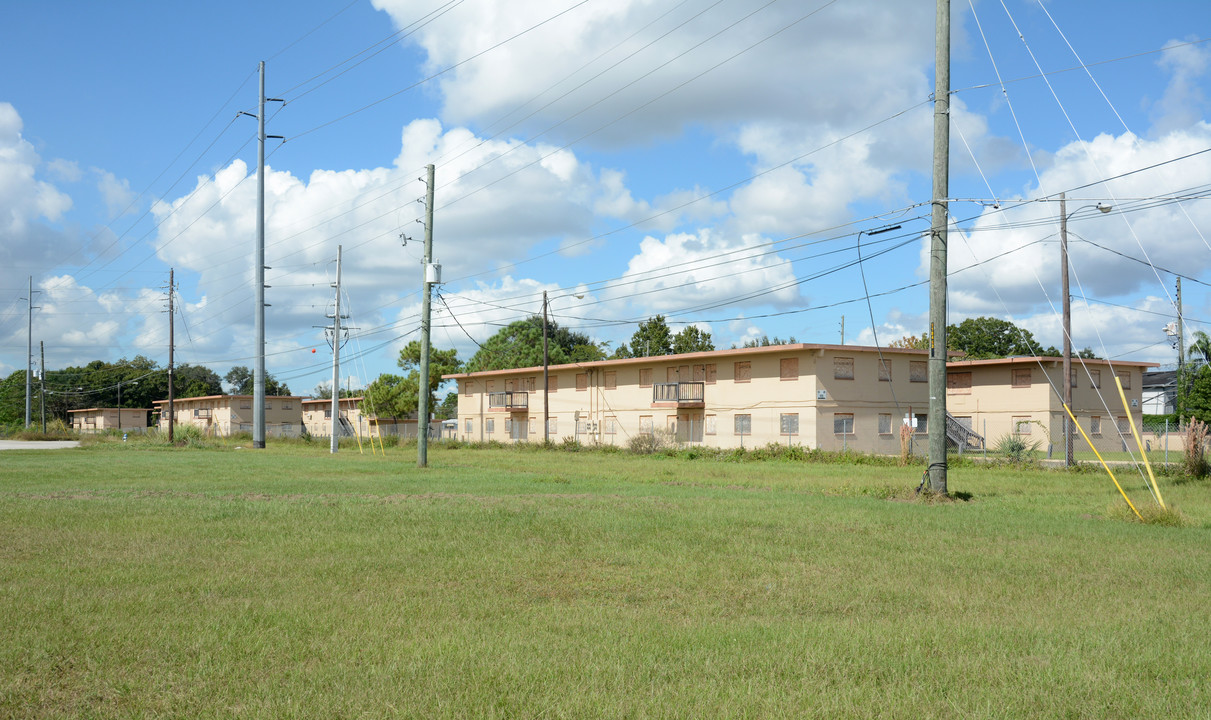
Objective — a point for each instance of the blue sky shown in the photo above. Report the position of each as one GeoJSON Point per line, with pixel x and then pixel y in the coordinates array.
{"type": "Point", "coordinates": [709, 160]}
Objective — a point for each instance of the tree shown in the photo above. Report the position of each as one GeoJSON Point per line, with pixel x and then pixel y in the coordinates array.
{"type": "Point", "coordinates": [988, 337]}
{"type": "Point", "coordinates": [519, 344]}
{"type": "Point", "coordinates": [692, 339]}
{"type": "Point", "coordinates": [1200, 347]}
{"type": "Point", "coordinates": [396, 396]}
{"type": "Point", "coordinates": [652, 338]}
{"type": "Point", "coordinates": [323, 391]}
{"type": "Point", "coordinates": [195, 381]}
{"type": "Point", "coordinates": [766, 341]}
{"type": "Point", "coordinates": [242, 382]}
{"type": "Point", "coordinates": [912, 342]}
{"type": "Point", "coordinates": [449, 407]}
{"type": "Point", "coordinates": [1197, 400]}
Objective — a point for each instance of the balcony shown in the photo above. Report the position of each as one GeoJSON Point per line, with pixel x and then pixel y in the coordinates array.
{"type": "Point", "coordinates": [509, 400]}
{"type": "Point", "coordinates": [679, 394]}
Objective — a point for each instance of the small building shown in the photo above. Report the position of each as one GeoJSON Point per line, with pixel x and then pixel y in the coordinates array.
{"type": "Point", "coordinates": [833, 397]}
{"type": "Point", "coordinates": [224, 415]}
{"type": "Point", "coordinates": [91, 420]}
{"type": "Point", "coordinates": [1160, 392]}
{"type": "Point", "coordinates": [1023, 397]}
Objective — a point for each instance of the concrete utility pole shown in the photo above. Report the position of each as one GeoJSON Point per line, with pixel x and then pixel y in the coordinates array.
{"type": "Point", "coordinates": [422, 413]}
{"type": "Point", "coordinates": [42, 384]}
{"type": "Point", "coordinates": [936, 424]}
{"type": "Point", "coordinates": [842, 329]}
{"type": "Point", "coordinates": [546, 380]}
{"type": "Point", "coordinates": [1067, 302]}
{"type": "Point", "coordinates": [172, 418]}
{"type": "Point", "coordinates": [29, 351]}
{"type": "Point", "coordinates": [336, 356]}
{"type": "Point", "coordinates": [1181, 357]}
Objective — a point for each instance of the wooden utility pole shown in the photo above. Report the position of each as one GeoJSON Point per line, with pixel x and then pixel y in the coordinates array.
{"type": "Point", "coordinates": [422, 412]}
{"type": "Point", "coordinates": [42, 383]}
{"type": "Point", "coordinates": [936, 423]}
{"type": "Point", "coordinates": [1067, 304]}
{"type": "Point", "coordinates": [1181, 358]}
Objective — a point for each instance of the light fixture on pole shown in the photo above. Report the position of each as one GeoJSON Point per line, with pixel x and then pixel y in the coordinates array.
{"type": "Point", "coordinates": [1067, 303]}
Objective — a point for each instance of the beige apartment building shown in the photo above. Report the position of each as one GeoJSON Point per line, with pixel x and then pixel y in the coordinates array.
{"type": "Point", "coordinates": [1023, 396]}
{"type": "Point", "coordinates": [832, 397]}
{"type": "Point", "coordinates": [228, 414]}
{"type": "Point", "coordinates": [93, 420]}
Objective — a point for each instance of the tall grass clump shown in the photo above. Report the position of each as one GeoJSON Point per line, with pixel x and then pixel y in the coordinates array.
{"type": "Point", "coordinates": [1017, 449]}
{"type": "Point", "coordinates": [651, 443]}
{"type": "Point", "coordinates": [1196, 448]}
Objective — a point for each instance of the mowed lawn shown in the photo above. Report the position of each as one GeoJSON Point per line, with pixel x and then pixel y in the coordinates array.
{"type": "Point", "coordinates": [287, 582]}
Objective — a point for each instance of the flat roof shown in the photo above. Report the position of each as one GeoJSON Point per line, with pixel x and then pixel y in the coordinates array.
{"type": "Point", "coordinates": [328, 401]}
{"type": "Point", "coordinates": [232, 397]}
{"type": "Point", "coordinates": [1033, 360]}
{"type": "Point", "coordinates": [96, 409]}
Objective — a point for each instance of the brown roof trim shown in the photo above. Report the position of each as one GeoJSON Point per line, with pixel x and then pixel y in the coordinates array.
{"type": "Point", "coordinates": [328, 401]}
{"type": "Point", "coordinates": [713, 354]}
{"type": "Point", "coordinates": [1057, 360]}
{"type": "Point", "coordinates": [96, 409]}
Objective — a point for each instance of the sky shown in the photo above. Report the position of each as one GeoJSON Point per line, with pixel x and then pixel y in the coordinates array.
{"type": "Point", "coordinates": [725, 163]}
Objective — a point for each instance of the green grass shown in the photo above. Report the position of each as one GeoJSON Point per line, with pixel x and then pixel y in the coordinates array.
{"type": "Point", "coordinates": [146, 581]}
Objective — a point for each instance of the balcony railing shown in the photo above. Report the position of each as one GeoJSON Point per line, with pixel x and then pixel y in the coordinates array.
{"type": "Point", "coordinates": [508, 400]}
{"type": "Point", "coordinates": [682, 393]}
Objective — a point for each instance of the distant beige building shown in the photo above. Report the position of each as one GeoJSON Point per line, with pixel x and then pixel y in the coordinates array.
{"type": "Point", "coordinates": [1023, 396]}
{"type": "Point", "coordinates": [228, 414]}
{"type": "Point", "coordinates": [99, 419]}
{"type": "Point", "coordinates": [831, 397]}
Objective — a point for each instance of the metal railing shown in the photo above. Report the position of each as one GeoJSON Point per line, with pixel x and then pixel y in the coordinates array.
{"type": "Point", "coordinates": [509, 400]}
{"type": "Point", "coordinates": [679, 392]}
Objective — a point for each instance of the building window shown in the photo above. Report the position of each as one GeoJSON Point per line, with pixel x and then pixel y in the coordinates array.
{"type": "Point", "coordinates": [582, 381]}
{"type": "Point", "coordinates": [611, 425]}
{"type": "Point", "coordinates": [467, 426]}
{"type": "Point", "coordinates": [528, 384]}
{"type": "Point", "coordinates": [1095, 425]}
{"type": "Point", "coordinates": [788, 423]}
{"type": "Point", "coordinates": [1072, 380]}
{"type": "Point", "coordinates": [843, 368]}
{"type": "Point", "coordinates": [885, 423]}
{"type": "Point", "coordinates": [467, 385]}
{"type": "Point", "coordinates": [672, 375]}
{"type": "Point", "coordinates": [1124, 377]}
{"type": "Point", "coordinates": [843, 424]}
{"type": "Point", "coordinates": [245, 403]}
{"type": "Point", "coordinates": [509, 427]}
{"type": "Point", "coordinates": [552, 426]}
{"type": "Point", "coordinates": [918, 371]}
{"type": "Point", "coordinates": [286, 427]}
{"type": "Point", "coordinates": [245, 427]}
{"type": "Point", "coordinates": [533, 423]}
{"type": "Point", "coordinates": [744, 372]}
{"type": "Point", "coordinates": [489, 385]}
{"type": "Point", "coordinates": [709, 425]}
{"type": "Point", "coordinates": [884, 371]}
{"type": "Point", "coordinates": [1095, 378]}
{"type": "Point", "coordinates": [490, 425]}
{"type": "Point", "coordinates": [268, 404]}
{"type": "Point", "coordinates": [552, 383]}
{"type": "Point", "coordinates": [1021, 377]}
{"type": "Point", "coordinates": [705, 373]}
{"type": "Point", "coordinates": [327, 413]}
{"type": "Point", "coordinates": [743, 424]}
{"type": "Point", "coordinates": [645, 424]}
{"type": "Point", "coordinates": [922, 424]}
{"type": "Point", "coordinates": [1021, 424]}
{"type": "Point", "coordinates": [611, 380]}
{"type": "Point", "coordinates": [1124, 424]}
{"type": "Point", "coordinates": [788, 369]}
{"type": "Point", "coordinates": [645, 377]}
{"type": "Point", "coordinates": [287, 405]}
{"type": "Point", "coordinates": [958, 383]}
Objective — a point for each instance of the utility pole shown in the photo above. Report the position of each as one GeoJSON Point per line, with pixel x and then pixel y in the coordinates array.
{"type": "Point", "coordinates": [29, 351]}
{"type": "Point", "coordinates": [842, 329]}
{"type": "Point", "coordinates": [936, 425]}
{"type": "Point", "coordinates": [1181, 358]}
{"type": "Point", "coordinates": [546, 380]}
{"type": "Point", "coordinates": [336, 356]}
{"type": "Point", "coordinates": [258, 371]}
{"type": "Point", "coordinates": [172, 418]}
{"type": "Point", "coordinates": [422, 412]}
{"type": "Point", "coordinates": [42, 381]}
{"type": "Point", "coordinates": [1067, 303]}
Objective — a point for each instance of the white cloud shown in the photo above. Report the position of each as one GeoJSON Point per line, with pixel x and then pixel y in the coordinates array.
{"type": "Point", "coordinates": [116, 193]}
{"type": "Point", "coordinates": [1184, 101]}
{"type": "Point", "coordinates": [26, 203]}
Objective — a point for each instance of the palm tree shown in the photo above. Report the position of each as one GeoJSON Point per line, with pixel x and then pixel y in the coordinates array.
{"type": "Point", "coordinates": [1200, 347]}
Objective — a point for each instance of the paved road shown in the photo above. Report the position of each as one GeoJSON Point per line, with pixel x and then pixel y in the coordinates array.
{"type": "Point", "coordinates": [38, 444]}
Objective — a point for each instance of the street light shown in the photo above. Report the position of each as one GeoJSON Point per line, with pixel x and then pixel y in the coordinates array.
{"type": "Point", "coordinates": [1064, 215]}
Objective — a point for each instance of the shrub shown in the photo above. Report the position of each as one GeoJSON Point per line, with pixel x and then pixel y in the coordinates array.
{"type": "Point", "coordinates": [1017, 449]}
{"type": "Point", "coordinates": [647, 444]}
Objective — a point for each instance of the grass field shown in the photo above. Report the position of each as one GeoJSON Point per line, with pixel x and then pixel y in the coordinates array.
{"type": "Point", "coordinates": [138, 581]}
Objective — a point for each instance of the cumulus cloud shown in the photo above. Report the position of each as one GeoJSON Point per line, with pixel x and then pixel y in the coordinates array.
{"type": "Point", "coordinates": [26, 203]}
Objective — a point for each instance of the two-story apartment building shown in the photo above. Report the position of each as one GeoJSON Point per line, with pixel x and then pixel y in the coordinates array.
{"type": "Point", "coordinates": [822, 396]}
{"type": "Point", "coordinates": [227, 414]}
{"type": "Point", "coordinates": [1023, 396]}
